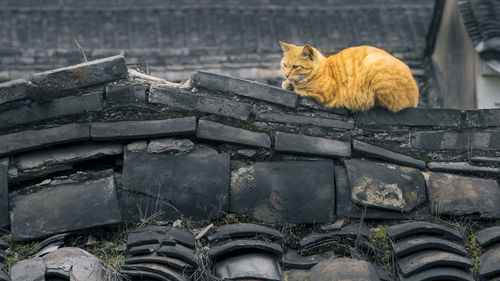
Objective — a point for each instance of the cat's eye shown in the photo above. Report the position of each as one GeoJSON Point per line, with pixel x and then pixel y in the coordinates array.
{"type": "Point", "coordinates": [295, 66]}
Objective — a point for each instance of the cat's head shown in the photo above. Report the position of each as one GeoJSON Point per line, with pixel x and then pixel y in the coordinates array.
{"type": "Point", "coordinates": [298, 62]}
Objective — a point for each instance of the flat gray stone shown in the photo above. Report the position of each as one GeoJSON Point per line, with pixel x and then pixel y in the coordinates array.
{"type": "Point", "coordinates": [245, 88]}
{"type": "Point", "coordinates": [244, 230]}
{"type": "Point", "coordinates": [485, 140]}
{"type": "Point", "coordinates": [80, 75]}
{"type": "Point", "coordinates": [285, 142]}
{"type": "Point", "coordinates": [384, 154]}
{"type": "Point", "coordinates": [440, 140]}
{"type": "Point", "coordinates": [179, 251]}
{"type": "Point", "coordinates": [458, 195]}
{"type": "Point", "coordinates": [381, 117]}
{"type": "Point", "coordinates": [276, 191]}
{"type": "Point", "coordinates": [304, 120]}
{"type": "Point", "coordinates": [241, 245]}
{"type": "Point", "coordinates": [385, 186]}
{"type": "Point", "coordinates": [462, 167]}
{"type": "Point", "coordinates": [125, 94]}
{"type": "Point", "coordinates": [30, 269]}
{"type": "Point", "coordinates": [142, 129]}
{"type": "Point", "coordinates": [333, 226]}
{"type": "Point", "coordinates": [81, 265]}
{"type": "Point", "coordinates": [424, 242]}
{"type": "Point", "coordinates": [490, 263]}
{"type": "Point", "coordinates": [4, 193]}
{"type": "Point", "coordinates": [488, 236]}
{"type": "Point", "coordinates": [350, 231]}
{"type": "Point", "coordinates": [202, 176]}
{"type": "Point", "coordinates": [202, 103]}
{"type": "Point", "coordinates": [252, 266]}
{"type": "Point", "coordinates": [423, 260]}
{"type": "Point", "coordinates": [441, 273]}
{"type": "Point", "coordinates": [482, 118]}
{"type": "Point", "coordinates": [219, 132]}
{"type": "Point", "coordinates": [153, 258]}
{"type": "Point", "coordinates": [339, 269]}
{"type": "Point", "coordinates": [171, 146]}
{"type": "Point", "coordinates": [65, 207]}
{"type": "Point", "coordinates": [13, 90]}
{"type": "Point", "coordinates": [139, 238]}
{"type": "Point", "coordinates": [34, 139]}
{"type": "Point", "coordinates": [157, 269]}
{"type": "Point", "coordinates": [402, 230]}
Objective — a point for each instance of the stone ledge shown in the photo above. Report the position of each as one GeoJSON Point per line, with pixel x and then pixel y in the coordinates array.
{"type": "Point", "coordinates": [13, 90]}
{"type": "Point", "coordinates": [223, 133]}
{"type": "Point", "coordinates": [482, 118]}
{"type": "Point", "coordinates": [384, 154]}
{"type": "Point", "coordinates": [414, 117]}
{"type": "Point", "coordinates": [297, 119]}
{"type": "Point", "coordinates": [301, 144]}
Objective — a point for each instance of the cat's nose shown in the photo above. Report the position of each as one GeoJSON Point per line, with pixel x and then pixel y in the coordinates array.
{"type": "Point", "coordinates": [287, 74]}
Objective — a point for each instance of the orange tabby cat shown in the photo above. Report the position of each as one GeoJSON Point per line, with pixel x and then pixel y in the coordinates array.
{"type": "Point", "coordinates": [357, 78]}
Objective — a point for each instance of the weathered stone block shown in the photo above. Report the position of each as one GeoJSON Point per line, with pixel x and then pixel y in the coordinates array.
{"type": "Point", "coordinates": [4, 192]}
{"type": "Point", "coordinates": [291, 191]}
{"type": "Point", "coordinates": [123, 94]}
{"type": "Point", "coordinates": [194, 184]}
{"type": "Point", "coordinates": [142, 129]}
{"type": "Point", "coordinates": [297, 119]}
{"type": "Point", "coordinates": [482, 118]}
{"type": "Point", "coordinates": [33, 139]}
{"type": "Point", "coordinates": [250, 266]}
{"type": "Point", "coordinates": [311, 145]}
{"type": "Point", "coordinates": [70, 105]}
{"type": "Point", "coordinates": [81, 75]}
{"type": "Point", "coordinates": [462, 167]}
{"type": "Point", "coordinates": [435, 140]}
{"type": "Point", "coordinates": [65, 207]}
{"type": "Point", "coordinates": [385, 186]}
{"type": "Point", "coordinates": [436, 117]}
{"type": "Point", "coordinates": [170, 145]}
{"type": "Point", "coordinates": [220, 132]}
{"type": "Point", "coordinates": [245, 88]}
{"type": "Point", "coordinates": [487, 140]}
{"type": "Point", "coordinates": [13, 90]}
{"type": "Point", "coordinates": [458, 195]}
{"type": "Point", "coordinates": [378, 152]}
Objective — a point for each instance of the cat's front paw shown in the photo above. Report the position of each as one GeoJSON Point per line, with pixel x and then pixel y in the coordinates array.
{"type": "Point", "coordinates": [287, 85]}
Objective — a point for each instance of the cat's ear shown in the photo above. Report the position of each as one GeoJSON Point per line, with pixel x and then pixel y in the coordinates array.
{"type": "Point", "coordinates": [284, 46]}
{"type": "Point", "coordinates": [308, 52]}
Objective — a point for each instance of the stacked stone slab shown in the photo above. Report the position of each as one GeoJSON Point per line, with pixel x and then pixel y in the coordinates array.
{"type": "Point", "coordinates": [428, 251]}
{"type": "Point", "coordinates": [489, 262]}
{"type": "Point", "coordinates": [160, 253]}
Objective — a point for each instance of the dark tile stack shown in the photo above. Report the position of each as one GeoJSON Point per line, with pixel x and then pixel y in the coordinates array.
{"type": "Point", "coordinates": [489, 261]}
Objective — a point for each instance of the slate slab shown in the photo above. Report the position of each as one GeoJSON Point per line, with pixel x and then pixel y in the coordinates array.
{"type": "Point", "coordinates": [153, 258]}
{"type": "Point", "coordinates": [157, 269]}
{"type": "Point", "coordinates": [202, 176]}
{"type": "Point", "coordinates": [62, 208]}
{"type": "Point", "coordinates": [462, 167]}
{"type": "Point", "coordinates": [424, 242]}
{"type": "Point", "coordinates": [422, 260]}
{"type": "Point", "coordinates": [441, 273]}
{"type": "Point", "coordinates": [219, 132]}
{"type": "Point", "coordinates": [207, 104]}
{"type": "Point", "coordinates": [178, 251]}
{"type": "Point", "coordinates": [488, 236]}
{"type": "Point", "coordinates": [384, 154]}
{"type": "Point", "coordinates": [139, 238]}
{"type": "Point", "coordinates": [71, 105]}
{"type": "Point", "coordinates": [13, 90]}
{"type": "Point", "coordinates": [440, 140]}
{"type": "Point", "coordinates": [169, 145]}
{"type": "Point", "coordinates": [435, 117]}
{"type": "Point", "coordinates": [304, 120]}
{"type": "Point", "coordinates": [385, 186]}
{"type": "Point", "coordinates": [30, 269]}
{"type": "Point", "coordinates": [253, 266]}
{"type": "Point", "coordinates": [399, 231]}
{"type": "Point", "coordinates": [486, 140]}
{"type": "Point", "coordinates": [245, 88]}
{"type": "Point", "coordinates": [248, 245]}
{"type": "Point", "coordinates": [143, 249]}
{"type": "Point", "coordinates": [278, 191]}
{"type": "Point", "coordinates": [34, 139]}
{"type": "Point", "coordinates": [490, 263]}
{"type": "Point", "coordinates": [80, 75]}
{"type": "Point", "coordinates": [342, 269]}
{"type": "Point", "coordinates": [458, 195]}
{"type": "Point", "coordinates": [4, 193]}
{"type": "Point", "coordinates": [247, 230]}
{"type": "Point", "coordinates": [482, 118]}
{"type": "Point", "coordinates": [301, 144]}
{"type": "Point", "coordinates": [142, 129]}
{"type": "Point", "coordinates": [125, 94]}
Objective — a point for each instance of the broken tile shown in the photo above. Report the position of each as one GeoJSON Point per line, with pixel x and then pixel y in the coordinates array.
{"type": "Point", "coordinates": [384, 154]}
{"type": "Point", "coordinates": [462, 167]}
{"type": "Point", "coordinates": [153, 258]}
{"type": "Point", "coordinates": [350, 231]}
{"type": "Point", "coordinates": [143, 249]}
{"type": "Point", "coordinates": [490, 263]}
{"type": "Point", "coordinates": [441, 273]}
{"type": "Point", "coordinates": [171, 146]}
{"type": "Point", "coordinates": [178, 251]}
{"type": "Point", "coordinates": [81, 265]}
{"type": "Point", "coordinates": [181, 236]}
{"type": "Point", "coordinates": [252, 266]}
{"type": "Point", "coordinates": [422, 260]}
{"type": "Point", "coordinates": [424, 242]}
{"type": "Point", "coordinates": [244, 230]}
{"type": "Point", "coordinates": [285, 142]}
{"type": "Point", "coordinates": [245, 244]}
{"type": "Point", "coordinates": [292, 259]}
{"type": "Point", "coordinates": [139, 238]}
{"type": "Point", "coordinates": [385, 186]}
{"type": "Point", "coordinates": [398, 231]}
{"type": "Point", "coordinates": [30, 269]}
{"type": "Point", "coordinates": [13, 90]}
{"type": "Point", "coordinates": [157, 269]}
{"type": "Point", "coordinates": [59, 238]}
{"type": "Point", "coordinates": [219, 132]}
{"type": "Point", "coordinates": [488, 236]}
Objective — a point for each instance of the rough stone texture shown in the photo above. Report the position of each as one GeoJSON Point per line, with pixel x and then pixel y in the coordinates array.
{"type": "Point", "coordinates": [423, 260]}
{"type": "Point", "coordinates": [172, 146]}
{"type": "Point", "coordinates": [440, 140]}
{"type": "Point", "coordinates": [458, 195]}
{"type": "Point", "coordinates": [223, 133]}
{"type": "Point", "coordinates": [482, 118]}
{"type": "Point", "coordinates": [441, 273]}
{"type": "Point", "coordinates": [297, 119]}
{"type": "Point", "coordinates": [385, 186]}
{"type": "Point", "coordinates": [82, 265]}
{"type": "Point", "coordinates": [208, 104]}
{"type": "Point", "coordinates": [196, 184]}
{"type": "Point", "coordinates": [488, 236]}
{"type": "Point", "coordinates": [461, 167]}
{"type": "Point", "coordinates": [248, 230]}
{"type": "Point", "coordinates": [336, 270]}
{"type": "Point", "coordinates": [278, 191]}
{"type": "Point", "coordinates": [143, 249]}
{"type": "Point", "coordinates": [259, 266]}
{"type": "Point", "coordinates": [245, 88]}
{"type": "Point", "coordinates": [13, 90]}
{"type": "Point", "coordinates": [65, 207]}
{"type": "Point", "coordinates": [384, 154]}
{"type": "Point", "coordinates": [490, 263]}
{"type": "Point", "coordinates": [411, 228]}
{"type": "Point", "coordinates": [178, 251]}
{"type": "Point", "coordinates": [4, 192]}
{"type": "Point", "coordinates": [30, 269]}
{"type": "Point", "coordinates": [81, 75]}
{"type": "Point", "coordinates": [487, 140]}
{"type": "Point", "coordinates": [142, 129]}
{"type": "Point", "coordinates": [435, 117]}
{"type": "Point", "coordinates": [33, 139]}
{"type": "Point", "coordinates": [125, 94]}
{"type": "Point", "coordinates": [241, 245]}
{"type": "Point", "coordinates": [424, 242]}
{"type": "Point", "coordinates": [285, 142]}
{"type": "Point", "coordinates": [34, 112]}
